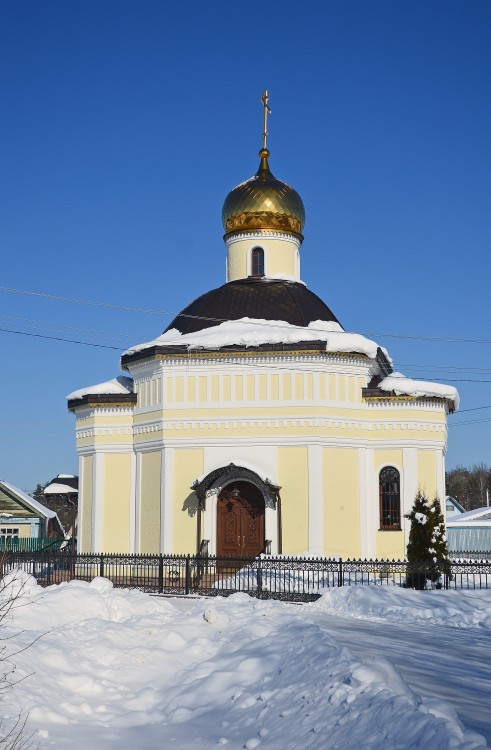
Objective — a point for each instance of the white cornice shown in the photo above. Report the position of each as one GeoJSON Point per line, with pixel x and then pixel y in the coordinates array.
{"type": "Point", "coordinates": [261, 235]}
{"type": "Point", "coordinates": [290, 441]}
{"type": "Point", "coordinates": [287, 423]}
{"type": "Point", "coordinates": [215, 360]}
{"type": "Point", "coordinates": [87, 412]}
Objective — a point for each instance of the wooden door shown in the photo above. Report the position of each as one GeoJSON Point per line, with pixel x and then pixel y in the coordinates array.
{"type": "Point", "coordinates": [240, 522]}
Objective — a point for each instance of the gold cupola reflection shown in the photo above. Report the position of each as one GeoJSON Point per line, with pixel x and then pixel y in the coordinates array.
{"type": "Point", "coordinates": [263, 202]}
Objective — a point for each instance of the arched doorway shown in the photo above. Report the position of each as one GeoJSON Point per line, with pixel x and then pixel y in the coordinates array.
{"type": "Point", "coordinates": [240, 520]}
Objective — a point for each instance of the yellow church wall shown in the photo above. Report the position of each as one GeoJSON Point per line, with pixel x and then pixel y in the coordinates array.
{"type": "Point", "coordinates": [227, 388]}
{"type": "Point", "coordinates": [214, 388]}
{"type": "Point", "coordinates": [294, 480]}
{"type": "Point", "coordinates": [250, 382]}
{"type": "Point", "coordinates": [275, 388]}
{"type": "Point", "coordinates": [341, 502]}
{"type": "Point", "coordinates": [263, 391]}
{"type": "Point", "coordinates": [179, 389]}
{"type": "Point", "coordinates": [86, 504]}
{"type": "Point", "coordinates": [188, 464]}
{"type": "Point", "coordinates": [191, 391]}
{"type": "Point", "coordinates": [427, 474]}
{"type": "Point", "coordinates": [281, 258]}
{"type": "Point", "coordinates": [238, 388]}
{"type": "Point", "coordinates": [203, 388]}
{"type": "Point", "coordinates": [105, 436]}
{"type": "Point", "coordinates": [116, 508]}
{"type": "Point", "coordinates": [150, 480]}
{"type": "Point", "coordinates": [388, 458]}
{"type": "Point", "coordinates": [109, 419]}
{"type": "Point", "coordinates": [236, 266]}
{"type": "Point", "coordinates": [287, 387]}
{"type": "Point", "coordinates": [390, 545]}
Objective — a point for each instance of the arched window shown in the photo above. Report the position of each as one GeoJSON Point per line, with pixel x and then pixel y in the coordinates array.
{"type": "Point", "coordinates": [257, 262]}
{"type": "Point", "coordinates": [390, 498]}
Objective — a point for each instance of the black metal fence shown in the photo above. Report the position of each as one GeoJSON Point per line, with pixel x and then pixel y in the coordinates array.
{"type": "Point", "coordinates": [275, 577]}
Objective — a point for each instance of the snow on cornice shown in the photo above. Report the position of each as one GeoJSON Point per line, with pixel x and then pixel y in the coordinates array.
{"type": "Point", "coordinates": [402, 386]}
{"type": "Point", "coordinates": [121, 385]}
{"type": "Point", "coordinates": [253, 332]}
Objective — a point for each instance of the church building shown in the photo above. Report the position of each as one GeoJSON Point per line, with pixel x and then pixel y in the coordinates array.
{"type": "Point", "coordinates": [255, 422]}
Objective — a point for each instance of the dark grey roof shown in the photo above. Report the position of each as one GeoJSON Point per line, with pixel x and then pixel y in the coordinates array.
{"type": "Point", "coordinates": [267, 299]}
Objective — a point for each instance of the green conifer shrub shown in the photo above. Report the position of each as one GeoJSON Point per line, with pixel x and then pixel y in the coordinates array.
{"type": "Point", "coordinates": [427, 552]}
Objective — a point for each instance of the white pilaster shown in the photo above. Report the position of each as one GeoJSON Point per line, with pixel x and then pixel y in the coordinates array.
{"type": "Point", "coordinates": [372, 513]}
{"type": "Point", "coordinates": [137, 509]}
{"type": "Point", "coordinates": [271, 528]}
{"type": "Point", "coordinates": [81, 501]}
{"type": "Point", "coordinates": [166, 499]}
{"type": "Point", "coordinates": [98, 502]}
{"type": "Point", "coordinates": [409, 486]}
{"type": "Point", "coordinates": [440, 479]}
{"type": "Point", "coordinates": [316, 500]}
{"type": "Point", "coordinates": [210, 522]}
{"type": "Point", "coordinates": [132, 520]}
{"type": "Point", "coordinates": [363, 503]}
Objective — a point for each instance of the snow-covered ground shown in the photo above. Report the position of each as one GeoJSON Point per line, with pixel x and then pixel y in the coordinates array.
{"type": "Point", "coordinates": [116, 668]}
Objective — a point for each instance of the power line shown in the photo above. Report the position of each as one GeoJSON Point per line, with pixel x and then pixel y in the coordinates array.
{"type": "Point", "coordinates": [26, 323]}
{"type": "Point", "coordinates": [94, 303]}
{"type": "Point", "coordinates": [120, 349]}
{"type": "Point", "coordinates": [58, 338]}
{"type": "Point", "coordinates": [77, 301]}
{"type": "Point", "coordinates": [104, 335]}
{"type": "Point", "coordinates": [470, 421]}
{"type": "Point", "coordinates": [101, 334]}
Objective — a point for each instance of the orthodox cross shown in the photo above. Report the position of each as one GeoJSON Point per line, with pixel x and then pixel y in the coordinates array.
{"type": "Point", "coordinates": [264, 99]}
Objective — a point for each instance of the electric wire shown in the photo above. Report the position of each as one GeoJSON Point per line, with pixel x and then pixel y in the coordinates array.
{"type": "Point", "coordinates": [120, 349]}
{"type": "Point", "coordinates": [94, 303]}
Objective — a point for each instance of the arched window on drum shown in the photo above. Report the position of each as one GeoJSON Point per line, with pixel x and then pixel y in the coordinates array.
{"type": "Point", "coordinates": [257, 262]}
{"type": "Point", "coordinates": [390, 499]}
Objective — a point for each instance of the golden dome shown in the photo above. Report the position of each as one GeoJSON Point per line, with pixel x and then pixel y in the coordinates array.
{"type": "Point", "coordinates": [263, 202]}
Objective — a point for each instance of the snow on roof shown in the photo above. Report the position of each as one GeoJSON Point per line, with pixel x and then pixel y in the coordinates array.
{"type": "Point", "coordinates": [478, 515]}
{"type": "Point", "coordinates": [455, 503]}
{"type": "Point", "coordinates": [34, 504]}
{"type": "Point", "coordinates": [256, 332]}
{"type": "Point", "coordinates": [402, 386]}
{"type": "Point", "coordinates": [56, 488]}
{"type": "Point", "coordinates": [117, 386]}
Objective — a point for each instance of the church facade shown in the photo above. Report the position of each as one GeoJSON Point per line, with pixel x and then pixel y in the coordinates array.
{"type": "Point", "coordinates": [255, 423]}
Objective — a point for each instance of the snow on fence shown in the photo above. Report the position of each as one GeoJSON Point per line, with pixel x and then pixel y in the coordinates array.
{"type": "Point", "coordinates": [296, 578]}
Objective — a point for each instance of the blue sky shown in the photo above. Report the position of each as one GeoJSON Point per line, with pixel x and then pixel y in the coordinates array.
{"type": "Point", "coordinates": [125, 124]}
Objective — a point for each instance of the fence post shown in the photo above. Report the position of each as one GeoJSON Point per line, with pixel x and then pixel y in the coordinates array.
{"type": "Point", "coordinates": [161, 574]}
{"type": "Point", "coordinates": [188, 574]}
{"type": "Point", "coordinates": [259, 574]}
{"type": "Point", "coordinates": [340, 572]}
{"type": "Point", "coordinates": [101, 566]}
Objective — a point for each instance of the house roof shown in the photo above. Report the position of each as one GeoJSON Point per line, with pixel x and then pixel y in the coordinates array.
{"type": "Point", "coordinates": [63, 484]}
{"type": "Point", "coordinates": [454, 502]}
{"type": "Point", "coordinates": [23, 497]}
{"type": "Point", "coordinates": [477, 516]}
